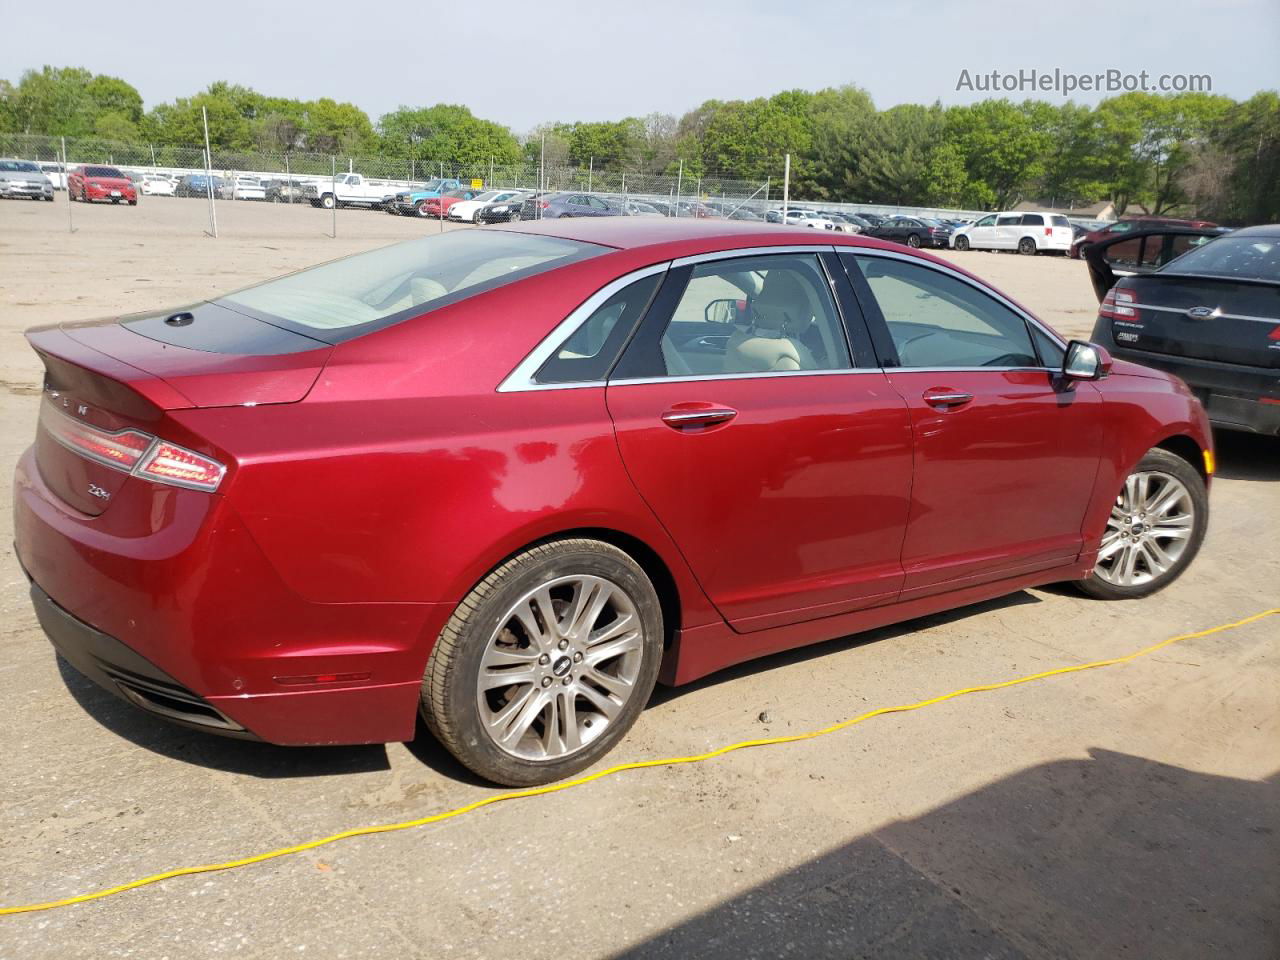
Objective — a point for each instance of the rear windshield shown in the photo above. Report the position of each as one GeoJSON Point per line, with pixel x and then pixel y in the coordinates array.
{"type": "Point", "coordinates": [346, 298]}
{"type": "Point", "coordinates": [104, 172]}
{"type": "Point", "coordinates": [1236, 258]}
{"type": "Point", "coordinates": [1061, 222]}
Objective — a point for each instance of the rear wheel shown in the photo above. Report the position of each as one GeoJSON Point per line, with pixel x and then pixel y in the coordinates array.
{"type": "Point", "coordinates": [547, 662]}
{"type": "Point", "coordinates": [515, 216]}
{"type": "Point", "coordinates": [962, 243]}
{"type": "Point", "coordinates": [1155, 529]}
{"type": "Point", "coordinates": [1027, 247]}
{"type": "Point", "coordinates": [913, 240]}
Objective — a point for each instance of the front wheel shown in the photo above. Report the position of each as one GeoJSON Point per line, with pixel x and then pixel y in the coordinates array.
{"type": "Point", "coordinates": [1155, 529]}
{"type": "Point", "coordinates": [515, 216]}
{"type": "Point", "coordinates": [962, 243]}
{"type": "Point", "coordinates": [546, 663]}
{"type": "Point", "coordinates": [423, 210]}
{"type": "Point", "coordinates": [327, 201]}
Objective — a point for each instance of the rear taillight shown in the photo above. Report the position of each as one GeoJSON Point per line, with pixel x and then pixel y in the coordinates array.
{"type": "Point", "coordinates": [1274, 334]}
{"type": "Point", "coordinates": [1048, 231]}
{"type": "Point", "coordinates": [132, 451]}
{"type": "Point", "coordinates": [1114, 304]}
{"type": "Point", "coordinates": [544, 204]}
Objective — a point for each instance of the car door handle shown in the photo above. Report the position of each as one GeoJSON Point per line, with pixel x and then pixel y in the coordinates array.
{"type": "Point", "coordinates": [678, 418]}
{"type": "Point", "coordinates": [946, 397]}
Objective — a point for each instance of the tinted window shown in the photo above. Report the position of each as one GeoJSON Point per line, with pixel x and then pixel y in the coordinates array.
{"type": "Point", "coordinates": [1060, 221]}
{"type": "Point", "coordinates": [770, 314]}
{"type": "Point", "coordinates": [1126, 253]}
{"type": "Point", "coordinates": [338, 300]}
{"type": "Point", "coordinates": [1051, 352]}
{"type": "Point", "coordinates": [590, 351]}
{"type": "Point", "coordinates": [1009, 220]}
{"type": "Point", "coordinates": [1032, 220]}
{"type": "Point", "coordinates": [936, 320]}
{"type": "Point", "coordinates": [1244, 258]}
{"type": "Point", "coordinates": [103, 172]}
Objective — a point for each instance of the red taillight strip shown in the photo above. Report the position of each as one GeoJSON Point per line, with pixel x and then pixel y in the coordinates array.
{"type": "Point", "coordinates": [133, 452]}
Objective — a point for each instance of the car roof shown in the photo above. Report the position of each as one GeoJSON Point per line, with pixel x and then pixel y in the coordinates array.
{"type": "Point", "coordinates": [693, 236]}
{"type": "Point", "coordinates": [1271, 230]}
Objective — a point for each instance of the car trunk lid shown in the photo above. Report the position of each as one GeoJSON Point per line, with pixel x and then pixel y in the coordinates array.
{"type": "Point", "coordinates": [109, 384]}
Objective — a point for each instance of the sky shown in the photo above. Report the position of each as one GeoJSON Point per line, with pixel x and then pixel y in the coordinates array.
{"type": "Point", "coordinates": [602, 60]}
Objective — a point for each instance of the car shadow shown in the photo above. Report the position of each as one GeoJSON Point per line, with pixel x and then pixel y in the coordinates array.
{"type": "Point", "coordinates": [246, 757]}
{"type": "Point", "coordinates": [1106, 856]}
{"type": "Point", "coordinates": [663, 694]}
{"type": "Point", "coordinates": [1246, 456]}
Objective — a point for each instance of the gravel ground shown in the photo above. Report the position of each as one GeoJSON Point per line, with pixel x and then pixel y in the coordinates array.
{"type": "Point", "coordinates": [1133, 810]}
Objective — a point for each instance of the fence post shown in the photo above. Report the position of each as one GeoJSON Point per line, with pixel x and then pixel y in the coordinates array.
{"type": "Point", "coordinates": [66, 182]}
{"type": "Point", "coordinates": [679, 179]}
{"type": "Point", "coordinates": [490, 184]}
{"type": "Point", "coordinates": [591, 167]}
{"type": "Point", "coordinates": [786, 187]}
{"type": "Point", "coordinates": [208, 173]}
{"type": "Point", "coordinates": [153, 157]}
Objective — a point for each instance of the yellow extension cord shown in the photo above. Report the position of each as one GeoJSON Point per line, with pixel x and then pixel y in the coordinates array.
{"type": "Point", "coordinates": [636, 765]}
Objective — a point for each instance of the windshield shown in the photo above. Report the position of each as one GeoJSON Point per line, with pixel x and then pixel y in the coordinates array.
{"type": "Point", "coordinates": [433, 185]}
{"type": "Point", "coordinates": [104, 172]}
{"type": "Point", "coordinates": [18, 166]}
{"type": "Point", "coordinates": [345, 298]}
{"type": "Point", "coordinates": [1236, 258]}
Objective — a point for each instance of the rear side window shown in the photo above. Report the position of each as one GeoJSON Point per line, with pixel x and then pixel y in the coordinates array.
{"type": "Point", "coordinates": [590, 350]}
{"type": "Point", "coordinates": [346, 298]}
{"type": "Point", "coordinates": [936, 320]}
{"type": "Point", "coordinates": [1032, 220]}
{"type": "Point", "coordinates": [1009, 220]}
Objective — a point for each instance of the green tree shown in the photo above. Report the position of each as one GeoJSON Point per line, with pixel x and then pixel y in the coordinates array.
{"type": "Point", "coordinates": [1003, 146]}
{"type": "Point", "coordinates": [839, 120]}
{"type": "Point", "coordinates": [67, 101]}
{"type": "Point", "coordinates": [446, 133]}
{"type": "Point", "coordinates": [893, 162]}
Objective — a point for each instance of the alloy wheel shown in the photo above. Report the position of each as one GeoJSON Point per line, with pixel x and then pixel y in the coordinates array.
{"type": "Point", "coordinates": [560, 667]}
{"type": "Point", "coordinates": [1148, 530]}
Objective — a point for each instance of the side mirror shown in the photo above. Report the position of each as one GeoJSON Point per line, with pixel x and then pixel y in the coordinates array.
{"type": "Point", "coordinates": [1085, 361]}
{"type": "Point", "coordinates": [721, 311]}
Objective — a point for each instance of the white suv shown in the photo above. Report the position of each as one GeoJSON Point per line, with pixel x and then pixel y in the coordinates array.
{"type": "Point", "coordinates": [1028, 233]}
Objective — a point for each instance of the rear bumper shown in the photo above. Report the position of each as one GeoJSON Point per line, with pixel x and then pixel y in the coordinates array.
{"type": "Point", "coordinates": [1235, 396]}
{"type": "Point", "coordinates": [179, 594]}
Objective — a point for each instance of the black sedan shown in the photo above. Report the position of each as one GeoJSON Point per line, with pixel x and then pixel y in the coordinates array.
{"type": "Point", "coordinates": [502, 211]}
{"type": "Point", "coordinates": [1203, 306]}
{"type": "Point", "coordinates": [913, 231]}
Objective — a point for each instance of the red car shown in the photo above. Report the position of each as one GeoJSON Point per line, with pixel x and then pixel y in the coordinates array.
{"type": "Point", "coordinates": [439, 206]}
{"type": "Point", "coordinates": [510, 478]}
{"type": "Point", "coordinates": [91, 183]}
{"type": "Point", "coordinates": [1112, 230]}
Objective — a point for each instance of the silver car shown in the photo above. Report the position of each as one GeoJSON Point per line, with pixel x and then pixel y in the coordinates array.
{"type": "Point", "coordinates": [22, 178]}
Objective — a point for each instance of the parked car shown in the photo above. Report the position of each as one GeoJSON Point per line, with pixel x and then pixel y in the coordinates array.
{"type": "Point", "coordinates": [514, 561]}
{"type": "Point", "coordinates": [409, 203]}
{"type": "Point", "coordinates": [465, 211]}
{"type": "Point", "coordinates": [1028, 233]}
{"type": "Point", "coordinates": [22, 178]}
{"type": "Point", "coordinates": [248, 188]}
{"type": "Point", "coordinates": [1203, 305]}
{"type": "Point", "coordinates": [913, 231]}
{"type": "Point", "coordinates": [440, 206]}
{"type": "Point", "coordinates": [549, 206]}
{"type": "Point", "coordinates": [91, 182]}
{"type": "Point", "coordinates": [157, 185]}
{"type": "Point", "coordinates": [797, 217]}
{"type": "Point", "coordinates": [639, 208]}
{"type": "Point", "coordinates": [505, 210]}
{"type": "Point", "coordinates": [198, 185]}
{"type": "Point", "coordinates": [842, 221]}
{"type": "Point", "coordinates": [289, 190]}
{"type": "Point", "coordinates": [349, 190]}
{"type": "Point", "coordinates": [1128, 225]}
{"type": "Point", "coordinates": [874, 219]}
{"type": "Point", "coordinates": [56, 172]}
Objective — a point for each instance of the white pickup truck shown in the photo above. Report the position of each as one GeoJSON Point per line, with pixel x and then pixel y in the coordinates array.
{"type": "Point", "coordinates": [350, 189]}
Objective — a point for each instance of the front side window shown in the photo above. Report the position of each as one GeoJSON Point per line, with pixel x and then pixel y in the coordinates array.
{"type": "Point", "coordinates": [936, 320]}
{"type": "Point", "coordinates": [767, 314]}
{"type": "Point", "coordinates": [986, 222]}
{"type": "Point", "coordinates": [339, 300]}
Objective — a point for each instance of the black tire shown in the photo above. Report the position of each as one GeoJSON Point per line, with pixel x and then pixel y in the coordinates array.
{"type": "Point", "coordinates": [962, 243]}
{"type": "Point", "coordinates": [449, 702]}
{"type": "Point", "coordinates": [1157, 460]}
{"type": "Point", "coordinates": [1080, 251]}
{"type": "Point", "coordinates": [133, 203]}
{"type": "Point", "coordinates": [327, 201]}
{"type": "Point", "coordinates": [422, 209]}
{"type": "Point", "coordinates": [1027, 247]}
{"type": "Point", "coordinates": [515, 217]}
{"type": "Point", "coordinates": [913, 241]}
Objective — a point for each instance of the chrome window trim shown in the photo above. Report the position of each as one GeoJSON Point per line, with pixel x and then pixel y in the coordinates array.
{"type": "Point", "coordinates": [521, 379]}
{"type": "Point", "coordinates": [977, 285]}
{"type": "Point", "coordinates": [1221, 316]}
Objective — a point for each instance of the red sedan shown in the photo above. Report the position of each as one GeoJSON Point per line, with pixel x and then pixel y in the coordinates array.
{"type": "Point", "coordinates": [511, 478]}
{"type": "Point", "coordinates": [439, 206]}
{"type": "Point", "coordinates": [91, 183]}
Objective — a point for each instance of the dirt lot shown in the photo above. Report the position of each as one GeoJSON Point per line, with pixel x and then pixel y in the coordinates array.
{"type": "Point", "coordinates": [1133, 810]}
